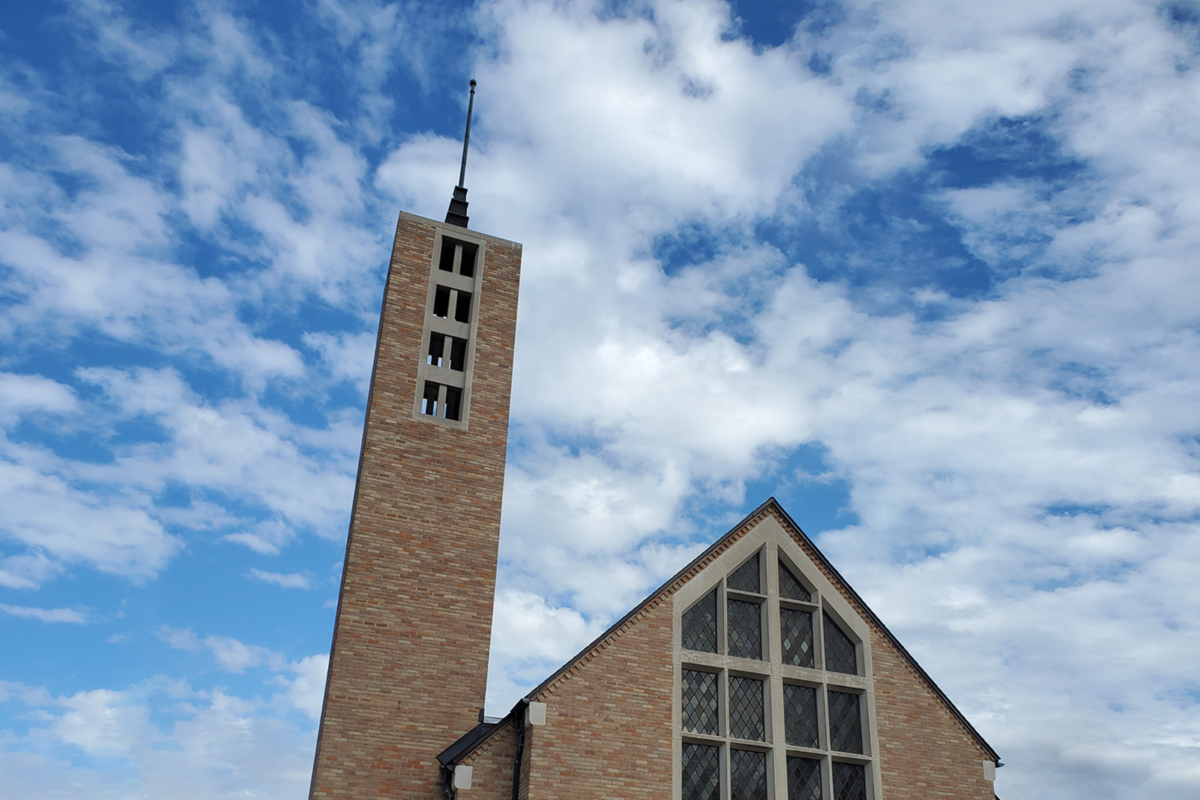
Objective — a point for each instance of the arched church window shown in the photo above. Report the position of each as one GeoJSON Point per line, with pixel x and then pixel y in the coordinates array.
{"type": "Point", "coordinates": [763, 718]}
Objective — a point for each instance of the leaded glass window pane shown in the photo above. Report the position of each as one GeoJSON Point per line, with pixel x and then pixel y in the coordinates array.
{"type": "Point", "coordinates": [700, 625]}
{"type": "Point", "coordinates": [800, 715]}
{"type": "Point", "coordinates": [745, 577]}
{"type": "Point", "coordinates": [700, 702]}
{"type": "Point", "coordinates": [804, 778]}
{"type": "Point", "coordinates": [845, 723]}
{"type": "Point", "coordinates": [839, 650]}
{"type": "Point", "coordinates": [701, 774]}
{"type": "Point", "coordinates": [746, 719]}
{"type": "Point", "coordinates": [797, 630]}
{"type": "Point", "coordinates": [745, 629]}
{"type": "Point", "coordinates": [790, 587]}
{"type": "Point", "coordinates": [849, 781]}
{"type": "Point", "coordinates": [747, 775]}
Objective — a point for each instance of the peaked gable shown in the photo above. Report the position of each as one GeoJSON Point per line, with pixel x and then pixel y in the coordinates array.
{"type": "Point", "coordinates": [728, 554]}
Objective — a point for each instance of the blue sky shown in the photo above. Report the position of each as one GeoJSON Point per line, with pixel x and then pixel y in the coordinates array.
{"type": "Point", "coordinates": [924, 271]}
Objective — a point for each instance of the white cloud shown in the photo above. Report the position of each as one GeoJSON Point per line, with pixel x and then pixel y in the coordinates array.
{"type": "Point", "coordinates": [102, 723]}
{"type": "Point", "coordinates": [141, 50]}
{"type": "Point", "coordinates": [680, 122]}
{"type": "Point", "coordinates": [347, 356]}
{"type": "Point", "coordinates": [178, 638]}
{"type": "Point", "coordinates": [109, 271]}
{"type": "Point", "coordinates": [530, 638]}
{"type": "Point", "coordinates": [292, 580]}
{"type": "Point", "coordinates": [266, 538]}
{"type": "Point", "coordinates": [203, 745]}
{"type": "Point", "coordinates": [307, 690]}
{"type": "Point", "coordinates": [25, 394]}
{"type": "Point", "coordinates": [197, 515]}
{"type": "Point", "coordinates": [27, 571]}
{"type": "Point", "coordinates": [239, 448]}
{"type": "Point", "coordinates": [236, 656]}
{"type": "Point", "coordinates": [68, 615]}
{"type": "Point", "coordinates": [49, 516]}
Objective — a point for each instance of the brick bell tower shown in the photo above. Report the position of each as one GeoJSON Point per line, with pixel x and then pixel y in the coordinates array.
{"type": "Point", "coordinates": [408, 664]}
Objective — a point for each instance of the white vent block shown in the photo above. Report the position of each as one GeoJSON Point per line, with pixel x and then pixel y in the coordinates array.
{"type": "Point", "coordinates": [989, 770]}
{"type": "Point", "coordinates": [462, 777]}
{"type": "Point", "coordinates": [535, 714]}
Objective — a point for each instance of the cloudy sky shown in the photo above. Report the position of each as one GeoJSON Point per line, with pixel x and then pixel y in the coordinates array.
{"type": "Point", "coordinates": [927, 272]}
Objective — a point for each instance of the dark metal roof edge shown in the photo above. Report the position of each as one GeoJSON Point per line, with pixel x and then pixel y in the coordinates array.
{"type": "Point", "coordinates": [468, 742]}
{"type": "Point", "coordinates": [891, 636]}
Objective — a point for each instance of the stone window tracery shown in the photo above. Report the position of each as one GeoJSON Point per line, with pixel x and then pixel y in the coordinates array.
{"type": "Point", "coordinates": [774, 689]}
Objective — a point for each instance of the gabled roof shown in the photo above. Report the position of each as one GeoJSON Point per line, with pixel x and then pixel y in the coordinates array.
{"type": "Point", "coordinates": [770, 507]}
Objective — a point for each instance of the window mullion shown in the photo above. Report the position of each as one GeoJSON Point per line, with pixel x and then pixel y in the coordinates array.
{"type": "Point", "coordinates": [726, 785]}
{"type": "Point", "coordinates": [778, 736]}
{"type": "Point", "coordinates": [722, 621]}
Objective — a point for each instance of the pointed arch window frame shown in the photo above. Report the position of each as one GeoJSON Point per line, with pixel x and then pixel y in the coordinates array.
{"type": "Point", "coordinates": [774, 545]}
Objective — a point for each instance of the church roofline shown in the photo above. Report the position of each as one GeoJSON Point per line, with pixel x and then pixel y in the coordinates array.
{"type": "Point", "coordinates": [682, 576]}
{"type": "Point", "coordinates": [470, 741]}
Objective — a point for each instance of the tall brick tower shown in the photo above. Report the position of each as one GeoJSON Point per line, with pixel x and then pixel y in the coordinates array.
{"type": "Point", "coordinates": [408, 664]}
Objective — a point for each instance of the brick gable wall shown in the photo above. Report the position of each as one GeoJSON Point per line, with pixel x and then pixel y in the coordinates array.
{"type": "Point", "coordinates": [608, 720]}
{"type": "Point", "coordinates": [492, 763]}
{"type": "Point", "coordinates": [608, 731]}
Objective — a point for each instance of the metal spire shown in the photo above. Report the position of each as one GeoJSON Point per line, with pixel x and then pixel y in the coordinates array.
{"type": "Point", "coordinates": [462, 173]}
{"type": "Point", "coordinates": [457, 213]}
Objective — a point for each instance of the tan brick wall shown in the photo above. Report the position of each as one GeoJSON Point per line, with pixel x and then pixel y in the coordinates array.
{"type": "Point", "coordinates": [408, 667]}
{"type": "Point", "coordinates": [608, 721]}
{"type": "Point", "coordinates": [492, 763]}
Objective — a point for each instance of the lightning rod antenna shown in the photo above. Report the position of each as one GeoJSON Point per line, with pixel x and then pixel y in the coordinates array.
{"type": "Point", "coordinates": [457, 213]}
{"type": "Point", "coordinates": [462, 173]}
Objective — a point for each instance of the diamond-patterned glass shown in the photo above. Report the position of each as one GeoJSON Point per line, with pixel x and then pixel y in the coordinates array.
{"type": "Point", "coordinates": [797, 630]}
{"type": "Point", "coordinates": [849, 781]}
{"type": "Point", "coordinates": [790, 587]}
{"type": "Point", "coordinates": [745, 629]}
{"type": "Point", "coordinates": [845, 723]}
{"type": "Point", "coordinates": [800, 715]}
{"type": "Point", "coordinates": [804, 778]}
{"type": "Point", "coordinates": [700, 625]}
{"type": "Point", "coordinates": [701, 773]}
{"type": "Point", "coordinates": [839, 650]}
{"type": "Point", "coordinates": [745, 577]}
{"type": "Point", "coordinates": [746, 719]}
{"type": "Point", "coordinates": [700, 702]}
{"type": "Point", "coordinates": [747, 775]}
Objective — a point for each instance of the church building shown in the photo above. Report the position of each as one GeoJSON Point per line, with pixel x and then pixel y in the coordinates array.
{"type": "Point", "coordinates": [755, 673]}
